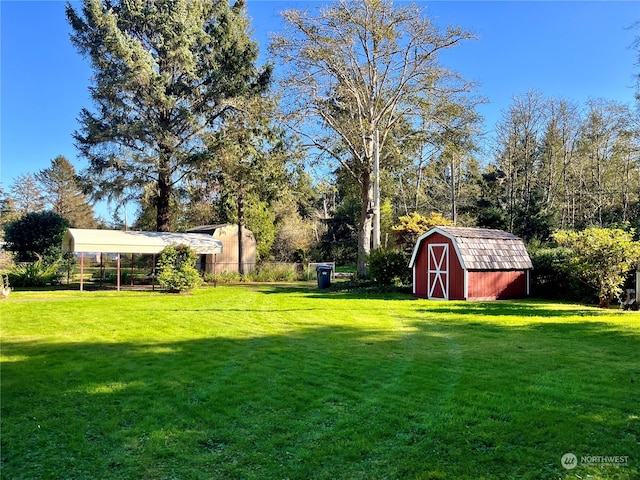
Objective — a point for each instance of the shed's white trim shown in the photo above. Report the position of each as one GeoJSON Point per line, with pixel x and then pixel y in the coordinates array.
{"type": "Point", "coordinates": [465, 274]}
{"type": "Point", "coordinates": [422, 237]}
{"type": "Point", "coordinates": [413, 284]}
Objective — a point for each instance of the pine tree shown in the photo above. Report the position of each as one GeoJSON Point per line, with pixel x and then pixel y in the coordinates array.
{"type": "Point", "coordinates": [63, 194]}
{"type": "Point", "coordinates": [165, 72]}
{"type": "Point", "coordinates": [250, 163]}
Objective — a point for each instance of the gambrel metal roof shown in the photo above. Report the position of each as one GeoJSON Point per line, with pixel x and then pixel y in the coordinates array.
{"type": "Point", "coordinates": [482, 248]}
{"type": "Point", "coordinates": [118, 241]}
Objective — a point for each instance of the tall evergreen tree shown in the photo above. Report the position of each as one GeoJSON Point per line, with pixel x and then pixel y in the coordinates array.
{"type": "Point", "coordinates": [64, 195]}
{"type": "Point", "coordinates": [250, 161]}
{"type": "Point", "coordinates": [165, 72]}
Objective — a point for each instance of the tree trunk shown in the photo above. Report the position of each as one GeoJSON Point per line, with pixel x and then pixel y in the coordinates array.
{"type": "Point", "coordinates": [605, 300]}
{"type": "Point", "coordinates": [163, 214]}
{"type": "Point", "coordinates": [366, 218]}
{"type": "Point", "coordinates": [240, 236]}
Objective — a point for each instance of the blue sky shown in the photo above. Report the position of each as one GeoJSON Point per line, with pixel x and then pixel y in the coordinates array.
{"type": "Point", "coordinates": [574, 49]}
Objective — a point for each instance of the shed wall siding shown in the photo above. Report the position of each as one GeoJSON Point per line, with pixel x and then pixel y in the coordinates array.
{"type": "Point", "coordinates": [227, 261]}
{"type": "Point", "coordinates": [497, 285]}
{"type": "Point", "coordinates": [420, 273]}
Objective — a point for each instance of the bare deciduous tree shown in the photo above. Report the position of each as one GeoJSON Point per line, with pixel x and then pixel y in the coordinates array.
{"type": "Point", "coordinates": [361, 70]}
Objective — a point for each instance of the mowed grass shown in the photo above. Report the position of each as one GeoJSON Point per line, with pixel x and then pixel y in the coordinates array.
{"type": "Point", "coordinates": [288, 382]}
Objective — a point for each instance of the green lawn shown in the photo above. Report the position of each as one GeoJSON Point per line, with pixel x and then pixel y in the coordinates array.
{"type": "Point", "coordinates": [288, 382]}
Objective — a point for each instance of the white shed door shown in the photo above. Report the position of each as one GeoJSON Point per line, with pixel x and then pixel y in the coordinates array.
{"type": "Point", "coordinates": [438, 271]}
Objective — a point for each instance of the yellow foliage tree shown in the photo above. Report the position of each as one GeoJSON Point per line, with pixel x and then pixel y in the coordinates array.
{"type": "Point", "coordinates": [407, 232]}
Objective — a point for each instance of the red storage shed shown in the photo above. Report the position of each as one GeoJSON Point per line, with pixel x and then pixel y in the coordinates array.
{"type": "Point", "coordinates": [459, 263]}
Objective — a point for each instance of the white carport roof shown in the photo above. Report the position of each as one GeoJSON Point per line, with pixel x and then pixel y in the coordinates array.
{"type": "Point", "coordinates": [118, 241]}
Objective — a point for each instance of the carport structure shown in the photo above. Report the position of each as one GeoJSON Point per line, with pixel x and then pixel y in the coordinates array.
{"type": "Point", "coordinates": [85, 240]}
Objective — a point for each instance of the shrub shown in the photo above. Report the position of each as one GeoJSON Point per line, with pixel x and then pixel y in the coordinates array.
{"type": "Point", "coordinates": [105, 276]}
{"type": "Point", "coordinates": [552, 278]}
{"type": "Point", "coordinates": [36, 236]}
{"type": "Point", "coordinates": [275, 272]}
{"type": "Point", "coordinates": [176, 269]}
{"type": "Point", "coordinates": [389, 267]}
{"type": "Point", "coordinates": [223, 277]}
{"type": "Point", "coordinates": [125, 277]}
{"type": "Point", "coordinates": [266, 272]}
{"type": "Point", "coordinates": [36, 274]}
{"type": "Point", "coordinates": [601, 257]}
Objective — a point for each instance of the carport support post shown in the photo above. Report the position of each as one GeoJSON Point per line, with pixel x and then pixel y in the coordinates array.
{"type": "Point", "coordinates": [81, 270]}
{"type": "Point", "coordinates": [118, 277]}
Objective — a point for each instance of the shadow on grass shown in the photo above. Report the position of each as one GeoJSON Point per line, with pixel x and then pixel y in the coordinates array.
{"type": "Point", "coordinates": [339, 291]}
{"type": "Point", "coordinates": [519, 308]}
{"type": "Point", "coordinates": [437, 401]}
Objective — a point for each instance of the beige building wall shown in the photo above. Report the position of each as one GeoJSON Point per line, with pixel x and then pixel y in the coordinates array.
{"type": "Point", "coordinates": [227, 261]}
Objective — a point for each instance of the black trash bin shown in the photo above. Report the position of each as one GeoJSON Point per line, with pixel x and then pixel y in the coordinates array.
{"type": "Point", "coordinates": [324, 275]}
